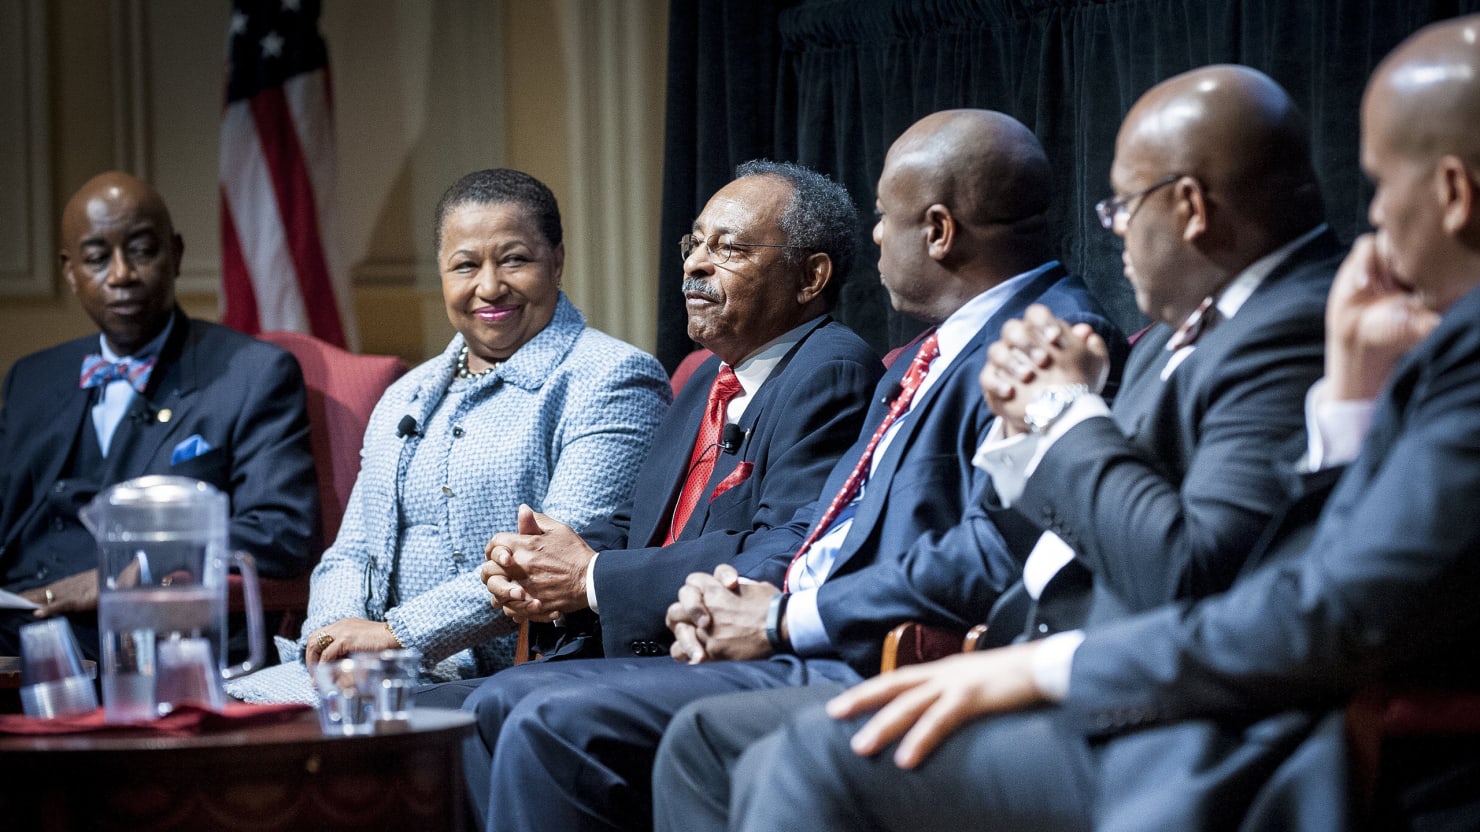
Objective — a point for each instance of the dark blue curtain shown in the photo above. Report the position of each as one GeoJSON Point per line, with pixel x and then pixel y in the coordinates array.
{"type": "Point", "coordinates": [831, 83]}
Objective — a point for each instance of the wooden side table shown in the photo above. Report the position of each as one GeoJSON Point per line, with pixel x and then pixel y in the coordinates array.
{"type": "Point", "coordinates": [265, 779]}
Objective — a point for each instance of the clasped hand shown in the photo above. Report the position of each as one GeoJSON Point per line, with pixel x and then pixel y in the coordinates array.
{"type": "Point", "coordinates": [720, 617]}
{"type": "Point", "coordinates": [1035, 353]}
{"type": "Point", "coordinates": [539, 573]}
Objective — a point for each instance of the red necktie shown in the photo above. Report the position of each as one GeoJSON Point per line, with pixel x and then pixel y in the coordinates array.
{"type": "Point", "coordinates": [706, 449]}
{"type": "Point", "coordinates": [913, 376]}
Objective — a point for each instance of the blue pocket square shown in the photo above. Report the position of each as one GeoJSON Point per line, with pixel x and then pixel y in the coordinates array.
{"type": "Point", "coordinates": [189, 449]}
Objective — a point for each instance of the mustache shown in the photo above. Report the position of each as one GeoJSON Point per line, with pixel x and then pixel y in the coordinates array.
{"type": "Point", "coordinates": [693, 285]}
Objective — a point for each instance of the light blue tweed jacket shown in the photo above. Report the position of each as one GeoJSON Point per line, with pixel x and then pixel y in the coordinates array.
{"type": "Point", "coordinates": [563, 425]}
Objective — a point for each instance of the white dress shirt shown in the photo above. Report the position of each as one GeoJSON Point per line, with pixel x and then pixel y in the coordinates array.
{"type": "Point", "coordinates": [751, 372]}
{"type": "Point", "coordinates": [115, 397]}
{"type": "Point", "coordinates": [803, 621]}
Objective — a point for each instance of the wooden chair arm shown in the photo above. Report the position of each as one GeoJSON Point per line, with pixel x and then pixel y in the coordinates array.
{"type": "Point", "coordinates": [915, 643]}
{"type": "Point", "coordinates": [521, 648]}
{"type": "Point", "coordinates": [975, 639]}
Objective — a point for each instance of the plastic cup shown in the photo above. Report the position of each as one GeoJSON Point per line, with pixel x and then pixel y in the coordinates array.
{"type": "Point", "coordinates": [400, 671]}
{"type": "Point", "coordinates": [53, 680]}
{"type": "Point", "coordinates": [186, 674]}
{"type": "Point", "coordinates": [348, 689]}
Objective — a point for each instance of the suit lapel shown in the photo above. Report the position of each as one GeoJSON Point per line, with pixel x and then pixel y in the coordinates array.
{"type": "Point", "coordinates": [969, 360]}
{"type": "Point", "coordinates": [1142, 392]}
{"type": "Point", "coordinates": [725, 464]}
{"type": "Point", "coordinates": [651, 526]}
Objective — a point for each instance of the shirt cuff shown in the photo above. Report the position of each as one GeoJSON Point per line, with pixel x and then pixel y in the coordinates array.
{"type": "Point", "coordinates": [1052, 661]}
{"type": "Point", "coordinates": [1005, 459]}
{"type": "Point", "coordinates": [1334, 429]}
{"type": "Point", "coordinates": [1012, 461]}
{"type": "Point", "coordinates": [591, 584]}
{"type": "Point", "coordinates": [804, 625]}
{"type": "Point", "coordinates": [1049, 555]}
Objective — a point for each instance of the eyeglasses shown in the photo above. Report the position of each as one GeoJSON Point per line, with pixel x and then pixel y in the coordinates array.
{"type": "Point", "coordinates": [1118, 208]}
{"type": "Point", "coordinates": [720, 251]}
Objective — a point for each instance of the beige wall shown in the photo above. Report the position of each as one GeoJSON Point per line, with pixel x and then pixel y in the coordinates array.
{"type": "Point", "coordinates": [425, 90]}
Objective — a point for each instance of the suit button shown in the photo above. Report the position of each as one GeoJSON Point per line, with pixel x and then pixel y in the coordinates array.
{"type": "Point", "coordinates": [59, 487]}
{"type": "Point", "coordinates": [457, 431]}
{"type": "Point", "coordinates": [59, 524]}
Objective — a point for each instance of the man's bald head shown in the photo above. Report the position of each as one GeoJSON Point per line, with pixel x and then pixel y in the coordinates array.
{"type": "Point", "coordinates": [120, 255]}
{"type": "Point", "coordinates": [1421, 150]}
{"type": "Point", "coordinates": [1431, 84]}
{"type": "Point", "coordinates": [986, 166]}
{"type": "Point", "coordinates": [963, 203]}
{"type": "Point", "coordinates": [1237, 131]}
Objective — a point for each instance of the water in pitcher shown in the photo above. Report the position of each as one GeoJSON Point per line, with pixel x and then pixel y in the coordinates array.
{"type": "Point", "coordinates": [132, 621]}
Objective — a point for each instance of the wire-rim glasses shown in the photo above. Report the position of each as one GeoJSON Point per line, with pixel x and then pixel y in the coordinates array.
{"type": "Point", "coordinates": [1114, 208]}
{"type": "Point", "coordinates": [721, 250]}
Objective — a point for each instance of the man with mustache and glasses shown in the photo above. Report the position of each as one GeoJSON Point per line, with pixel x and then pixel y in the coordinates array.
{"type": "Point", "coordinates": [964, 244]}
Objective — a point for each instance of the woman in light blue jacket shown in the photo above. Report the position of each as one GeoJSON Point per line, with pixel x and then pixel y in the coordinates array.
{"type": "Point", "coordinates": [526, 405]}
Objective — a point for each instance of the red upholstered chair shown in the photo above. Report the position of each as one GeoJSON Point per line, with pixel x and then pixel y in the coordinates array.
{"type": "Point", "coordinates": [686, 368]}
{"type": "Point", "coordinates": [342, 391]}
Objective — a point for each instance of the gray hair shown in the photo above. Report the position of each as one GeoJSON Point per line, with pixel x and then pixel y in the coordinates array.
{"type": "Point", "coordinates": [819, 218]}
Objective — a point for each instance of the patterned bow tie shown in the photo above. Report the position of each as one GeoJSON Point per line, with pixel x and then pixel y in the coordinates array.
{"type": "Point", "coordinates": [97, 370]}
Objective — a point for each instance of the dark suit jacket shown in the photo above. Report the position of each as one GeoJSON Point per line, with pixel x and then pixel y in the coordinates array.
{"type": "Point", "coordinates": [1164, 500]}
{"type": "Point", "coordinates": [242, 396]}
{"type": "Point", "coordinates": [805, 415]}
{"type": "Point", "coordinates": [910, 554]}
{"type": "Point", "coordinates": [1383, 593]}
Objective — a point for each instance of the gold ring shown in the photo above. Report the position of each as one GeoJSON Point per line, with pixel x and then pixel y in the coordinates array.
{"type": "Point", "coordinates": [324, 640]}
{"type": "Point", "coordinates": [51, 597]}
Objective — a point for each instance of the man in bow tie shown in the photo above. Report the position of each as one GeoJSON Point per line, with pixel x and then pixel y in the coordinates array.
{"type": "Point", "coordinates": [154, 393]}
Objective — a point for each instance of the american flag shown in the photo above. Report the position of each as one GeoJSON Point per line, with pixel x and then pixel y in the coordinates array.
{"type": "Point", "coordinates": [280, 264]}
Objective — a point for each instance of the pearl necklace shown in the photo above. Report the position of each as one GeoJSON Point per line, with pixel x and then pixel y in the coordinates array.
{"type": "Point", "coordinates": [462, 366]}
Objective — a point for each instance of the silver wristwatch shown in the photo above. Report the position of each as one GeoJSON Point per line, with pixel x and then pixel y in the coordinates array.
{"type": "Point", "coordinates": [1051, 404]}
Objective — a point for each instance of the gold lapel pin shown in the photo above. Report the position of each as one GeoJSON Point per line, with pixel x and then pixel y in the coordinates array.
{"type": "Point", "coordinates": [165, 415]}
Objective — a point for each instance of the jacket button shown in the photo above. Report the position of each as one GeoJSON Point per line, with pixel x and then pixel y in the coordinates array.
{"type": "Point", "coordinates": [457, 431]}
{"type": "Point", "coordinates": [59, 524]}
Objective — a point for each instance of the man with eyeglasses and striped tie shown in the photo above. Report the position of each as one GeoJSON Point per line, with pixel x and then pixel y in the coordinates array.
{"type": "Point", "coordinates": [965, 245]}
{"type": "Point", "coordinates": [155, 392]}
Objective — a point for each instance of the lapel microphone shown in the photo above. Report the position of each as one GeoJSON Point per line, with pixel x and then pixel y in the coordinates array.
{"type": "Point", "coordinates": [406, 427]}
{"type": "Point", "coordinates": [731, 438]}
{"type": "Point", "coordinates": [892, 393]}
